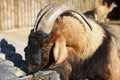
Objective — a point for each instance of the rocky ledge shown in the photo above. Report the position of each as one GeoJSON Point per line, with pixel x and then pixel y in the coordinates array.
{"type": "Point", "coordinates": [12, 67]}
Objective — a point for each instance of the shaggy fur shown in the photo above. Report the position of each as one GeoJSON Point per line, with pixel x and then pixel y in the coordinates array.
{"type": "Point", "coordinates": [74, 50]}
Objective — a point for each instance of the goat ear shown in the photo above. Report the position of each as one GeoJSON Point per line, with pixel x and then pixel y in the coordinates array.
{"type": "Point", "coordinates": [60, 51]}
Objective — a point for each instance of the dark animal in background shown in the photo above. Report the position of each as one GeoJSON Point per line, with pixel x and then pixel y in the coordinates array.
{"type": "Point", "coordinates": [90, 14]}
{"type": "Point", "coordinates": [101, 11]}
{"type": "Point", "coordinates": [78, 48]}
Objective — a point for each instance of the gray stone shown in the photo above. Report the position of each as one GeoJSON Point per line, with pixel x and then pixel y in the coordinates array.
{"type": "Point", "coordinates": [6, 62]}
{"type": "Point", "coordinates": [18, 72]}
{"type": "Point", "coordinates": [7, 75]}
{"type": "Point", "coordinates": [1, 60]}
{"type": "Point", "coordinates": [4, 67]}
{"type": "Point", "coordinates": [2, 55]}
{"type": "Point", "coordinates": [28, 77]}
{"type": "Point", "coordinates": [47, 75]}
{"type": "Point", "coordinates": [10, 68]}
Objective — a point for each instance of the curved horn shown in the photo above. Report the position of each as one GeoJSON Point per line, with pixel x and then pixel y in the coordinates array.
{"type": "Point", "coordinates": [48, 19]}
{"type": "Point", "coordinates": [41, 13]}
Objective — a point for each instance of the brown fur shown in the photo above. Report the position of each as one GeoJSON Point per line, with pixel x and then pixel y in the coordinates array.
{"type": "Point", "coordinates": [74, 50]}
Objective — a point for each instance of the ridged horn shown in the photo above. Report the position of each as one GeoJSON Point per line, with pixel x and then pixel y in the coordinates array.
{"type": "Point", "coordinates": [43, 10]}
{"type": "Point", "coordinates": [48, 18]}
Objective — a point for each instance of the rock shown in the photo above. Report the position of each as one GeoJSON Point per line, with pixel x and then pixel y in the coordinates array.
{"type": "Point", "coordinates": [46, 75]}
{"type": "Point", "coordinates": [6, 74]}
{"type": "Point", "coordinates": [2, 55]}
{"type": "Point", "coordinates": [28, 77]}
{"type": "Point", "coordinates": [6, 62]}
{"type": "Point", "coordinates": [42, 75]}
{"type": "Point", "coordinates": [8, 66]}
{"type": "Point", "coordinates": [18, 72]}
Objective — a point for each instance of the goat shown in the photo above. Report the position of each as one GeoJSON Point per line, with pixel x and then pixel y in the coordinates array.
{"type": "Point", "coordinates": [78, 48]}
{"type": "Point", "coordinates": [101, 11]}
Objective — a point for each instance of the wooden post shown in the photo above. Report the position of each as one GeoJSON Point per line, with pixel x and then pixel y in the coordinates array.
{"type": "Point", "coordinates": [16, 13]}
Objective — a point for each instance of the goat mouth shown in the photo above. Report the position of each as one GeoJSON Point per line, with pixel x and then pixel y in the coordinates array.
{"type": "Point", "coordinates": [32, 70]}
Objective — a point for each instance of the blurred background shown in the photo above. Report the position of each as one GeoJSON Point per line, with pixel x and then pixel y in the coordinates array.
{"type": "Point", "coordinates": [22, 13]}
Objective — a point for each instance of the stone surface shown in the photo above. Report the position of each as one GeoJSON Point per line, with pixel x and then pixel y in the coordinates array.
{"type": "Point", "coordinates": [7, 75]}
{"type": "Point", "coordinates": [2, 55]}
{"type": "Point", "coordinates": [10, 72]}
{"type": "Point", "coordinates": [6, 62]}
{"type": "Point", "coordinates": [28, 77]}
{"type": "Point", "coordinates": [46, 75]}
{"type": "Point", "coordinates": [18, 72]}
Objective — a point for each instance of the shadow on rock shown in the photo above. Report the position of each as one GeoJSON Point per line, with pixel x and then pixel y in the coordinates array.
{"type": "Point", "coordinates": [11, 55]}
